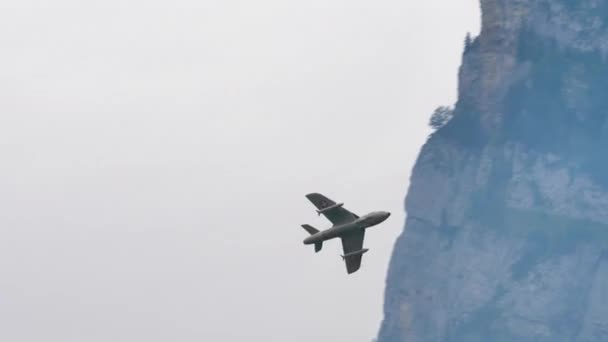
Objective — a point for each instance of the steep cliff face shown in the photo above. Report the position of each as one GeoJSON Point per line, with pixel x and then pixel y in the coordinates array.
{"type": "Point", "coordinates": [506, 237]}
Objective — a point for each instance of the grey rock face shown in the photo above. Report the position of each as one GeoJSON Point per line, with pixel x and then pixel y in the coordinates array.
{"type": "Point", "coordinates": [506, 237]}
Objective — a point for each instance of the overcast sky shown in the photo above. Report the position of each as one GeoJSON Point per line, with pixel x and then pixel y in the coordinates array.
{"type": "Point", "coordinates": [155, 156]}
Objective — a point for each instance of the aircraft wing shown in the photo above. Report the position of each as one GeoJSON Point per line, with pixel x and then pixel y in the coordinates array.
{"type": "Point", "coordinates": [353, 244]}
{"type": "Point", "coordinates": [333, 212]}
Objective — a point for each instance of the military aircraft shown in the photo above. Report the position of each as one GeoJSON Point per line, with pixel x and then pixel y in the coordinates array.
{"type": "Point", "coordinates": [349, 227]}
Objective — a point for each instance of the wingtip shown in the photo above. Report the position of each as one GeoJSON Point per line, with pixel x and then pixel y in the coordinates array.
{"type": "Point", "coordinates": [351, 270]}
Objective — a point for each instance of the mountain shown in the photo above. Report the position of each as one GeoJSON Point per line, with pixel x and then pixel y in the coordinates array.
{"type": "Point", "coordinates": [506, 236]}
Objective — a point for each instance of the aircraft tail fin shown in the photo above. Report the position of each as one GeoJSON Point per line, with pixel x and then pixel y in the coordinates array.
{"type": "Point", "coordinates": [310, 229]}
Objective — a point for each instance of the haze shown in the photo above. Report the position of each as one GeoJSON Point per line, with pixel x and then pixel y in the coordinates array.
{"type": "Point", "coordinates": [156, 154]}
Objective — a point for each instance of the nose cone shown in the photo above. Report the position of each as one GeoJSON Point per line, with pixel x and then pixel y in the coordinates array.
{"type": "Point", "coordinates": [379, 217]}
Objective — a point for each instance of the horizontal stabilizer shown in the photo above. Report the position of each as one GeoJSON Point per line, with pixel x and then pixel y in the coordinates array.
{"type": "Point", "coordinates": [318, 246]}
{"type": "Point", "coordinates": [310, 229]}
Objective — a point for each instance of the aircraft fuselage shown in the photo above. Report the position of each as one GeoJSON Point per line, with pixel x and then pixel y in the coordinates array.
{"type": "Point", "coordinates": [363, 222]}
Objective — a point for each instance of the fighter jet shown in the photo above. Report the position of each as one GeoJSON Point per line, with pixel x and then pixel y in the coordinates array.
{"type": "Point", "coordinates": [349, 227]}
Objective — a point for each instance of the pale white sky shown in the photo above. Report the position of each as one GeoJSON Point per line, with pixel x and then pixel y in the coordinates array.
{"type": "Point", "coordinates": [155, 156]}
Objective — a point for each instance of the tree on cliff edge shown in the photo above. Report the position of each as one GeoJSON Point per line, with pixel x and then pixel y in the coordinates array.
{"type": "Point", "coordinates": [440, 117]}
{"type": "Point", "coordinates": [467, 41]}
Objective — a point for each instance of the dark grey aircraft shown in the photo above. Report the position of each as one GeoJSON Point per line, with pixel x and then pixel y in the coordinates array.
{"type": "Point", "coordinates": [349, 227]}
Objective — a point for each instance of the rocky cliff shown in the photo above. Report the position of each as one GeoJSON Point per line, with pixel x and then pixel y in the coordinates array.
{"type": "Point", "coordinates": [506, 237]}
